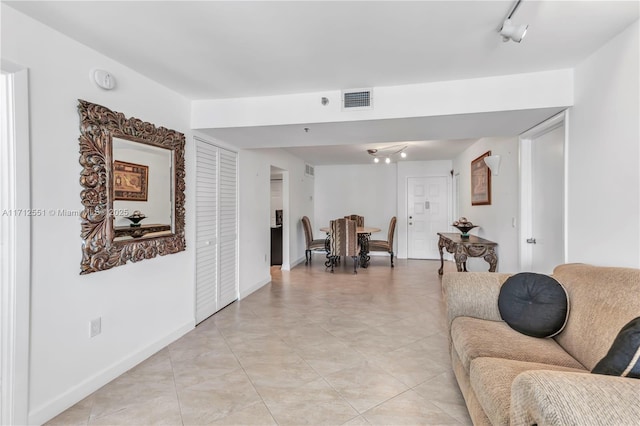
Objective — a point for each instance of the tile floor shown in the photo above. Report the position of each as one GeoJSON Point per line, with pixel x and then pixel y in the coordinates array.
{"type": "Point", "coordinates": [311, 348]}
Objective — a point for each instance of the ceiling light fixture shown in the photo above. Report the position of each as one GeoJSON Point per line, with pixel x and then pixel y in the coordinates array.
{"type": "Point", "coordinates": [511, 31]}
{"type": "Point", "coordinates": [388, 153]}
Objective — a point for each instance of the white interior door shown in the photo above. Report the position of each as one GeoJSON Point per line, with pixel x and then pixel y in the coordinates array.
{"type": "Point", "coordinates": [216, 229]}
{"type": "Point", "coordinates": [206, 230]}
{"type": "Point", "coordinates": [228, 258]}
{"type": "Point", "coordinates": [543, 238]}
{"type": "Point", "coordinates": [427, 215]}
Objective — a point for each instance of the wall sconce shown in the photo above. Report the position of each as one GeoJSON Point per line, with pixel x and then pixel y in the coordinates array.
{"type": "Point", "coordinates": [493, 162]}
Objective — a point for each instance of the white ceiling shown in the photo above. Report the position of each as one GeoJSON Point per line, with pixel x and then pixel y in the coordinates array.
{"type": "Point", "coordinates": [228, 49]}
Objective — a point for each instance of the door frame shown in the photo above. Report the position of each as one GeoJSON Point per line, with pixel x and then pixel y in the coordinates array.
{"type": "Point", "coordinates": [526, 201]}
{"type": "Point", "coordinates": [16, 260]}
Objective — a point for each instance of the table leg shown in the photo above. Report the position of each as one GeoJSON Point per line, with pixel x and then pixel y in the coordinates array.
{"type": "Point", "coordinates": [440, 247]}
{"type": "Point", "coordinates": [492, 259]}
{"type": "Point", "coordinates": [327, 247]}
{"type": "Point", "coordinates": [363, 239]}
{"type": "Point", "coordinates": [461, 259]}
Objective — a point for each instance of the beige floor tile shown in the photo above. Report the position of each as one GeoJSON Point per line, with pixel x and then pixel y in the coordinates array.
{"type": "Point", "coordinates": [128, 391]}
{"type": "Point", "coordinates": [444, 393]}
{"type": "Point", "coordinates": [253, 415]}
{"type": "Point", "coordinates": [357, 421]}
{"type": "Point", "coordinates": [365, 385]}
{"type": "Point", "coordinates": [210, 400]}
{"type": "Point", "coordinates": [311, 347]}
{"type": "Point", "coordinates": [283, 375]}
{"type": "Point", "coordinates": [206, 367]}
{"type": "Point", "coordinates": [330, 357]}
{"type": "Point", "coordinates": [156, 411]}
{"type": "Point", "coordinates": [409, 408]}
{"type": "Point", "coordinates": [78, 415]}
{"type": "Point", "coordinates": [315, 403]}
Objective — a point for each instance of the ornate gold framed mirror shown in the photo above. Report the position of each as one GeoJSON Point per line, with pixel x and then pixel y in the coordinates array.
{"type": "Point", "coordinates": [132, 189]}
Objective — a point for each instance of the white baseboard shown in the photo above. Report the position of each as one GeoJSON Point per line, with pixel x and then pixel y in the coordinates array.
{"type": "Point", "coordinates": [56, 406]}
{"type": "Point", "coordinates": [256, 286]}
{"type": "Point", "coordinates": [298, 261]}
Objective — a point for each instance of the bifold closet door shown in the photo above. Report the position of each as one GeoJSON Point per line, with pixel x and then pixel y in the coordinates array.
{"type": "Point", "coordinates": [228, 221]}
{"type": "Point", "coordinates": [216, 229]}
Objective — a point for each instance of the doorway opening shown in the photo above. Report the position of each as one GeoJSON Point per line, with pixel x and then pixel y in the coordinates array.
{"type": "Point", "coordinates": [543, 195]}
{"type": "Point", "coordinates": [279, 218]}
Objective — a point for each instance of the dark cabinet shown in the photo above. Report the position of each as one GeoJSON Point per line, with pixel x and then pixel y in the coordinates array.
{"type": "Point", "coordinates": [276, 245]}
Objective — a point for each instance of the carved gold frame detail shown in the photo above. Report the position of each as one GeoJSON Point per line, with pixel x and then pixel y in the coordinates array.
{"type": "Point", "coordinates": [98, 126]}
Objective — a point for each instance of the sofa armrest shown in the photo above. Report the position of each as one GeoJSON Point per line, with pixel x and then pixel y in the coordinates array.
{"type": "Point", "coordinates": [567, 398]}
{"type": "Point", "coordinates": [472, 294]}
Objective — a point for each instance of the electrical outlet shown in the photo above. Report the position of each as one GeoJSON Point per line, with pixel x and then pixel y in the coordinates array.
{"type": "Point", "coordinates": [96, 327]}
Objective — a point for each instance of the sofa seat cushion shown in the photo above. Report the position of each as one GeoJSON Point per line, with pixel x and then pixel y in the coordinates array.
{"type": "Point", "coordinates": [474, 338]}
{"type": "Point", "coordinates": [491, 380]}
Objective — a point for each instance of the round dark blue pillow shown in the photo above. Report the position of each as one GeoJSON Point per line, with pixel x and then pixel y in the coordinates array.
{"type": "Point", "coordinates": [534, 304]}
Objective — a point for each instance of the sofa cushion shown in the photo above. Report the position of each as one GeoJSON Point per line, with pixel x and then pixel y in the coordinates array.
{"type": "Point", "coordinates": [473, 338]}
{"type": "Point", "coordinates": [603, 300]}
{"type": "Point", "coordinates": [491, 380]}
{"type": "Point", "coordinates": [623, 359]}
{"type": "Point", "coordinates": [534, 304]}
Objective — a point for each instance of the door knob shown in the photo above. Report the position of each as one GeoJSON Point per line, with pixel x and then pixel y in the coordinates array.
{"type": "Point", "coordinates": [531, 240]}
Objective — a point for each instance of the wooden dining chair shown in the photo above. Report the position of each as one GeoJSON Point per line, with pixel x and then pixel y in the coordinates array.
{"type": "Point", "coordinates": [312, 245]}
{"type": "Point", "coordinates": [385, 245]}
{"type": "Point", "coordinates": [359, 219]}
{"type": "Point", "coordinates": [343, 236]}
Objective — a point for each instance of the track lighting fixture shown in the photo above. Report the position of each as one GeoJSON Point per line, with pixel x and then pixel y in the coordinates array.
{"type": "Point", "coordinates": [388, 153]}
{"type": "Point", "coordinates": [511, 31]}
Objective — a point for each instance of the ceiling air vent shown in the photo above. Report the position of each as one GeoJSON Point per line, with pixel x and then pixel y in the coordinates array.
{"type": "Point", "coordinates": [355, 99]}
{"type": "Point", "coordinates": [308, 170]}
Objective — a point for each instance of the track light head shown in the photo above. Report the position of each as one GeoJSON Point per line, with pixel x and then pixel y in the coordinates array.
{"type": "Point", "coordinates": [510, 31]}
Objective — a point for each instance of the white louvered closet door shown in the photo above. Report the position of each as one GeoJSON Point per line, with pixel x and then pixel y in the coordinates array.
{"type": "Point", "coordinates": [216, 217]}
{"type": "Point", "coordinates": [228, 221]}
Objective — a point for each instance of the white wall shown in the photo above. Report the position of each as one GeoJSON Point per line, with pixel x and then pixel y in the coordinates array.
{"type": "Point", "coordinates": [367, 190]}
{"type": "Point", "coordinates": [604, 141]}
{"type": "Point", "coordinates": [143, 306]}
{"type": "Point", "coordinates": [501, 93]}
{"type": "Point", "coordinates": [407, 169]}
{"type": "Point", "coordinates": [255, 213]}
{"type": "Point", "coordinates": [495, 220]}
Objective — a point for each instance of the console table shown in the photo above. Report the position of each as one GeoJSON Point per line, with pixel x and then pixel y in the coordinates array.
{"type": "Point", "coordinates": [139, 231]}
{"type": "Point", "coordinates": [471, 246]}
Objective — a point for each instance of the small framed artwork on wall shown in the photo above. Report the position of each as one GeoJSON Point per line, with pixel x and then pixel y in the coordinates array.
{"type": "Point", "coordinates": [480, 181]}
{"type": "Point", "coordinates": [130, 181]}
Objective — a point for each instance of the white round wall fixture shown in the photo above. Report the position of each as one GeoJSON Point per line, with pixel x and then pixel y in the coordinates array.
{"type": "Point", "coordinates": [103, 79]}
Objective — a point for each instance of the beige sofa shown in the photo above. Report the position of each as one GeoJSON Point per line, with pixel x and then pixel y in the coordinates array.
{"type": "Point", "coordinates": [509, 378]}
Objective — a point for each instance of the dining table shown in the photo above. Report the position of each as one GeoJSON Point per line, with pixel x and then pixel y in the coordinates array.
{"type": "Point", "coordinates": [364, 235]}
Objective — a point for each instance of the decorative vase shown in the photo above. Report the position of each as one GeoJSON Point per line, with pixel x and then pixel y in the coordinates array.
{"type": "Point", "coordinates": [136, 218]}
{"type": "Point", "coordinates": [464, 230]}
